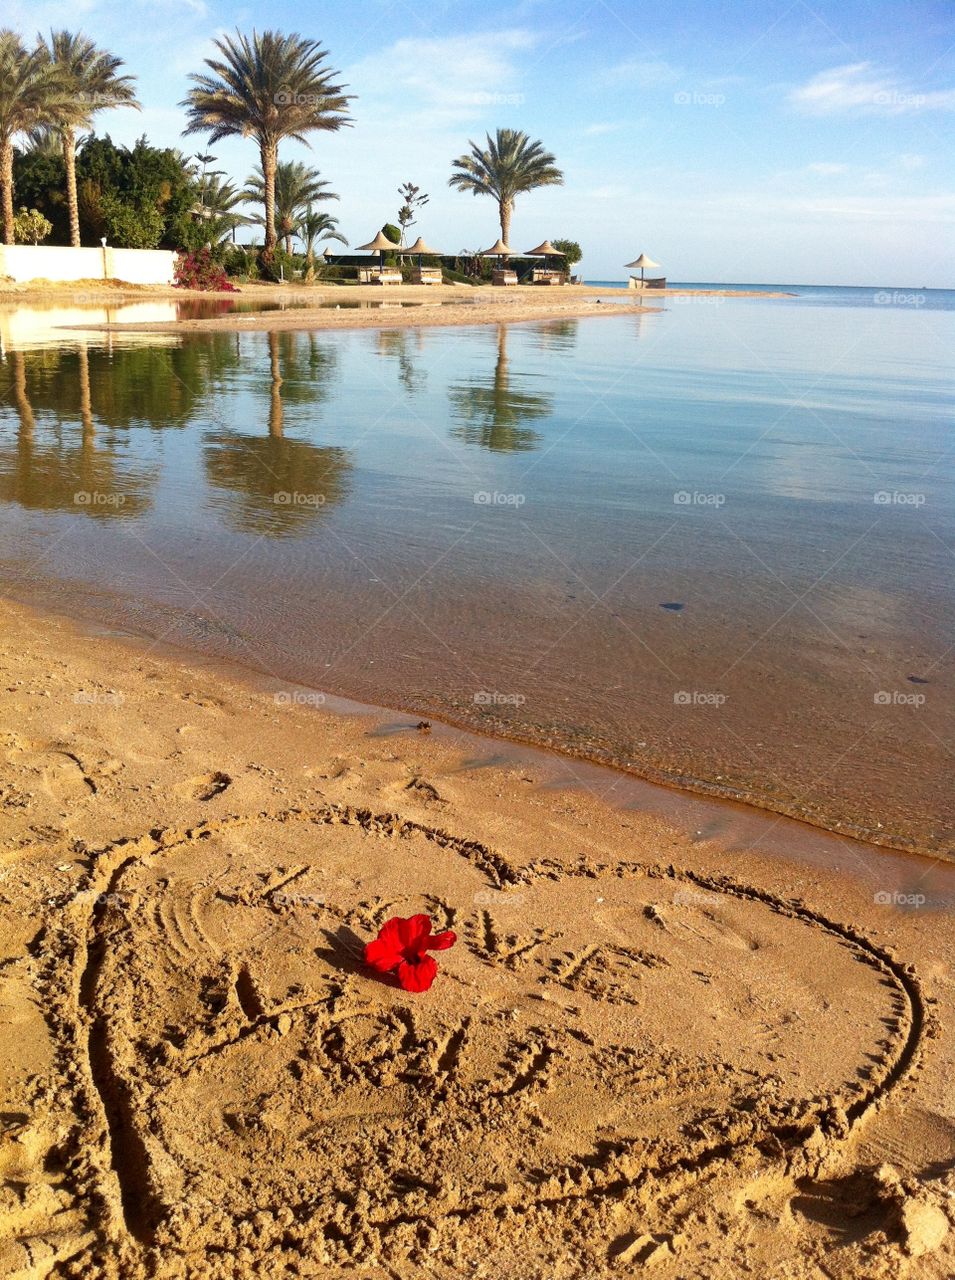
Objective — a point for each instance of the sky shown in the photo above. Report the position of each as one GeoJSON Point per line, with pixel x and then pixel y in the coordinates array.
{"type": "Point", "coordinates": [771, 142]}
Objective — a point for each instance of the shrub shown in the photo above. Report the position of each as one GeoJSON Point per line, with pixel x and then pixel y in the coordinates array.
{"type": "Point", "coordinates": [277, 265]}
{"type": "Point", "coordinates": [199, 270]}
{"type": "Point", "coordinates": [30, 226]}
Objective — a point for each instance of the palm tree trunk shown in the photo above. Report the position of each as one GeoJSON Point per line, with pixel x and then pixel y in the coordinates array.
{"type": "Point", "coordinates": [504, 209]}
{"type": "Point", "coordinates": [275, 404]}
{"type": "Point", "coordinates": [69, 159]}
{"type": "Point", "coordinates": [6, 188]}
{"type": "Point", "coordinates": [270, 158]}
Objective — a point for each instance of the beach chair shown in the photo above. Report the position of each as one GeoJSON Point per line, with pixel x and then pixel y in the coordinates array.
{"type": "Point", "coordinates": [425, 275]}
{"type": "Point", "coordinates": [545, 275]}
{"type": "Point", "coordinates": [504, 277]}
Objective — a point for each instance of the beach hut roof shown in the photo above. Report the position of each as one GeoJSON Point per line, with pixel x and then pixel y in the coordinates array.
{"type": "Point", "coordinates": [545, 250]}
{"type": "Point", "coordinates": [380, 242]}
{"type": "Point", "coordinates": [419, 246]}
{"type": "Point", "coordinates": [497, 250]}
{"type": "Point", "coordinates": [642, 261]}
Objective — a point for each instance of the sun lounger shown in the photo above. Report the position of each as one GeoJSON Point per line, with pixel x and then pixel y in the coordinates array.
{"type": "Point", "coordinates": [501, 276]}
{"type": "Point", "coordinates": [426, 275]}
{"type": "Point", "coordinates": [659, 283]}
{"type": "Point", "coordinates": [544, 275]}
{"type": "Point", "coordinates": [379, 275]}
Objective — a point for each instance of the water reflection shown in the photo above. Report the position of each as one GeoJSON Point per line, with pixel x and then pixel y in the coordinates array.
{"type": "Point", "coordinates": [271, 484]}
{"type": "Point", "coordinates": [492, 413]}
{"type": "Point", "coordinates": [403, 345]}
{"type": "Point", "coordinates": [50, 465]}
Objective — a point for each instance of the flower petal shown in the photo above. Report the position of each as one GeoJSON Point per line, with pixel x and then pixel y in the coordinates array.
{"type": "Point", "coordinates": [382, 954]}
{"type": "Point", "coordinates": [415, 931]}
{"type": "Point", "coordinates": [441, 941]}
{"type": "Point", "coordinates": [417, 975]}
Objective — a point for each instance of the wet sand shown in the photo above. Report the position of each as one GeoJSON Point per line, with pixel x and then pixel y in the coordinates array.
{"type": "Point", "coordinates": [646, 1051]}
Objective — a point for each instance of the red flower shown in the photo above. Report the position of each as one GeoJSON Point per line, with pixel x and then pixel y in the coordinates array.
{"type": "Point", "coordinates": [404, 945]}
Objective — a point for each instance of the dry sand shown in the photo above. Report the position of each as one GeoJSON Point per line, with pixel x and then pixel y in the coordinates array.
{"type": "Point", "coordinates": [644, 1054]}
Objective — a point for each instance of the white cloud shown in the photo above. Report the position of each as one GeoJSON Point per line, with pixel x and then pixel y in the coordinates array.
{"type": "Point", "coordinates": [860, 89]}
{"type": "Point", "coordinates": [443, 80]}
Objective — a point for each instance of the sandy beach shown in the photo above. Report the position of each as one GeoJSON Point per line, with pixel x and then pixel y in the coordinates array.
{"type": "Point", "coordinates": [647, 1051]}
{"type": "Point", "coordinates": [314, 307]}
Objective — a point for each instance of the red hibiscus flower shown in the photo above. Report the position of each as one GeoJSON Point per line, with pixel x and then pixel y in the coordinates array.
{"type": "Point", "coordinates": [403, 945]}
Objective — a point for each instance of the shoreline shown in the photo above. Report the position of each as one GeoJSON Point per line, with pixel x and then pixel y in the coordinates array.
{"type": "Point", "coordinates": [311, 308]}
{"type": "Point", "coordinates": [694, 1037]}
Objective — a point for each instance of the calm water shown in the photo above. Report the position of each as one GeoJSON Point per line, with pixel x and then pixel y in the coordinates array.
{"type": "Point", "coordinates": [711, 545]}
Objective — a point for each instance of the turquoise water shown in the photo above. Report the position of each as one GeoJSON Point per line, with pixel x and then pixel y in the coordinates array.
{"type": "Point", "coordinates": [711, 545]}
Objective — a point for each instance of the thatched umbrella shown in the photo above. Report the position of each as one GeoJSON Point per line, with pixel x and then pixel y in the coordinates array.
{"type": "Point", "coordinates": [497, 250]}
{"type": "Point", "coordinates": [545, 250]}
{"type": "Point", "coordinates": [382, 245]}
{"type": "Point", "coordinates": [642, 262]}
{"type": "Point", "coordinates": [421, 249]}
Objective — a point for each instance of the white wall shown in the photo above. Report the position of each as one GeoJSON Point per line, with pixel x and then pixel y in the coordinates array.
{"type": "Point", "coordinates": [23, 262]}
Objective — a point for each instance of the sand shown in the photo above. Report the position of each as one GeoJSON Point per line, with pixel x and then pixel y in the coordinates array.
{"type": "Point", "coordinates": [313, 307]}
{"type": "Point", "coordinates": [645, 1053]}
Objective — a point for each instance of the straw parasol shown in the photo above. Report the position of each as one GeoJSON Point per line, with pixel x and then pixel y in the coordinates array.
{"type": "Point", "coordinates": [545, 250]}
{"type": "Point", "coordinates": [382, 245]}
{"type": "Point", "coordinates": [642, 262]}
{"type": "Point", "coordinates": [421, 249]}
{"type": "Point", "coordinates": [497, 250]}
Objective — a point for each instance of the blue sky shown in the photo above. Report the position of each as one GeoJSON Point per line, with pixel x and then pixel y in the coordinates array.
{"type": "Point", "coordinates": [755, 141]}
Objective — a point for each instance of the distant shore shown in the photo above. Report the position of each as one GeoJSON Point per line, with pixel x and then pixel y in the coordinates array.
{"type": "Point", "coordinates": [311, 307]}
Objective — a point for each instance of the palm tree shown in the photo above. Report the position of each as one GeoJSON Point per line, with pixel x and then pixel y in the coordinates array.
{"type": "Point", "coordinates": [29, 90]}
{"type": "Point", "coordinates": [90, 84]}
{"type": "Point", "coordinates": [510, 165]}
{"type": "Point", "coordinates": [271, 87]}
{"type": "Point", "coordinates": [216, 206]}
{"type": "Point", "coordinates": [296, 187]}
{"type": "Point", "coordinates": [312, 226]}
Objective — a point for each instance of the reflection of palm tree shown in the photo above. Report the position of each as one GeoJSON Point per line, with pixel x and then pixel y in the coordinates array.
{"type": "Point", "coordinates": [396, 342]}
{"type": "Point", "coordinates": [271, 484]}
{"type": "Point", "coordinates": [59, 473]}
{"type": "Point", "coordinates": [491, 415]}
